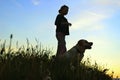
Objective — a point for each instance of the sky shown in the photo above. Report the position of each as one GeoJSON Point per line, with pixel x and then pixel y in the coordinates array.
{"type": "Point", "coordinates": [97, 21]}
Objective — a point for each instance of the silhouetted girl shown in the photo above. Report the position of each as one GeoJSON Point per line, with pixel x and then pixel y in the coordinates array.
{"type": "Point", "coordinates": [62, 29]}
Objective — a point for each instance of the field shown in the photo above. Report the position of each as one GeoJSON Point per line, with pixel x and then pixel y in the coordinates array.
{"type": "Point", "coordinates": [38, 63]}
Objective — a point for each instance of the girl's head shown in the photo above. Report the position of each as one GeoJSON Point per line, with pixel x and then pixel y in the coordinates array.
{"type": "Point", "coordinates": [63, 10]}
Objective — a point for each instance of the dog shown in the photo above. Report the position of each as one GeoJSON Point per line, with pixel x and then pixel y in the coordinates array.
{"type": "Point", "coordinates": [70, 60]}
{"type": "Point", "coordinates": [77, 52]}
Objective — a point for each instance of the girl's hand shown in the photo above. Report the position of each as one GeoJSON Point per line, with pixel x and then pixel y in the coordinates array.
{"type": "Point", "coordinates": [69, 24]}
{"type": "Point", "coordinates": [66, 23]}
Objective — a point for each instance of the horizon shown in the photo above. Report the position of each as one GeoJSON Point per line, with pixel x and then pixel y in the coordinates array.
{"type": "Point", "coordinates": [96, 21]}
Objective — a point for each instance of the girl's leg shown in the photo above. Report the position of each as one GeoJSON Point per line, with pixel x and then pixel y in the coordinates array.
{"type": "Point", "coordinates": [61, 48]}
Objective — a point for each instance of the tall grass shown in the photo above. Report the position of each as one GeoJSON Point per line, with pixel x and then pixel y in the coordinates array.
{"type": "Point", "coordinates": [37, 63]}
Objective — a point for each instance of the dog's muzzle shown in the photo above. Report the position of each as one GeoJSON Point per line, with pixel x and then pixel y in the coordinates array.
{"type": "Point", "coordinates": [89, 45]}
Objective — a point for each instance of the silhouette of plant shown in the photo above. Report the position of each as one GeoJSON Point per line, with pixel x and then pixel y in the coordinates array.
{"type": "Point", "coordinates": [37, 63]}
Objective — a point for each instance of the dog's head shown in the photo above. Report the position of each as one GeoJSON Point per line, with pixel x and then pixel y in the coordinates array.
{"type": "Point", "coordinates": [85, 44]}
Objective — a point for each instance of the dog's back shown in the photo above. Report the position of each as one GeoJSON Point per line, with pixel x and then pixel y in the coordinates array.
{"type": "Point", "coordinates": [73, 53]}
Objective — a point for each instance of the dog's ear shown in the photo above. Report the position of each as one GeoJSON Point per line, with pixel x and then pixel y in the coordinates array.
{"type": "Point", "coordinates": [80, 43]}
{"type": "Point", "coordinates": [80, 46]}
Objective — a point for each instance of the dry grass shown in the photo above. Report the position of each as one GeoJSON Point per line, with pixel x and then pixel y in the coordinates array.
{"type": "Point", "coordinates": [37, 63]}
